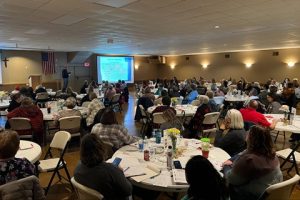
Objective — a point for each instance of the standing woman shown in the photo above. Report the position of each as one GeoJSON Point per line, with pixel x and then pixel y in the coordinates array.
{"type": "Point", "coordinates": [255, 169]}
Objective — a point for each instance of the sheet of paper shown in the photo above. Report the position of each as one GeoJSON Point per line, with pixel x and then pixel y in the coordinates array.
{"type": "Point", "coordinates": [163, 180]}
{"type": "Point", "coordinates": [179, 176]}
{"type": "Point", "coordinates": [24, 146]}
{"type": "Point", "coordinates": [149, 174]}
{"type": "Point", "coordinates": [134, 171]}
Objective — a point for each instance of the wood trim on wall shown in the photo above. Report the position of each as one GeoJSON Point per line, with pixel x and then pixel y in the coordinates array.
{"type": "Point", "coordinates": [55, 85]}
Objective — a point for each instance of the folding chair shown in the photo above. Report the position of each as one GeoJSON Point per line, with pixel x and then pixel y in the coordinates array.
{"type": "Point", "coordinates": [71, 124]}
{"type": "Point", "coordinates": [22, 126]}
{"type": "Point", "coordinates": [210, 119]}
{"type": "Point", "coordinates": [84, 192]}
{"type": "Point", "coordinates": [290, 155]}
{"type": "Point", "coordinates": [60, 142]}
{"type": "Point", "coordinates": [157, 118]}
{"type": "Point", "coordinates": [281, 190]}
{"type": "Point", "coordinates": [145, 120]}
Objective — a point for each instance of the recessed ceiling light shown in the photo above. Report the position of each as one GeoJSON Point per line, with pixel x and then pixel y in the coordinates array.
{"type": "Point", "coordinates": [217, 26]}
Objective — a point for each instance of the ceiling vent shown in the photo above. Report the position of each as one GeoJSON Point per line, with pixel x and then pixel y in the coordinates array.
{"type": "Point", "coordinates": [157, 59]}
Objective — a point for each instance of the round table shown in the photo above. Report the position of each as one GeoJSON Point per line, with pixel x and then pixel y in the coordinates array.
{"type": "Point", "coordinates": [280, 126]}
{"type": "Point", "coordinates": [4, 104]}
{"type": "Point", "coordinates": [232, 98]}
{"type": "Point", "coordinates": [30, 150]}
{"type": "Point", "coordinates": [163, 182]}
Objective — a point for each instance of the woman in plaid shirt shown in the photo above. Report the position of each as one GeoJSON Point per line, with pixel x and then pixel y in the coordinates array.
{"type": "Point", "coordinates": [111, 132]}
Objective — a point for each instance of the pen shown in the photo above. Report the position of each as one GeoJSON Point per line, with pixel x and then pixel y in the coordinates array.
{"type": "Point", "coordinates": [125, 169]}
{"type": "Point", "coordinates": [156, 175]}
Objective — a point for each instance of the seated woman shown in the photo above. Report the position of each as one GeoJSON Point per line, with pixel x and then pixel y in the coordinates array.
{"type": "Point", "coordinates": [70, 103]}
{"type": "Point", "coordinates": [166, 101]}
{"type": "Point", "coordinates": [111, 132]}
{"type": "Point", "coordinates": [192, 95]}
{"type": "Point", "coordinates": [93, 109]}
{"type": "Point", "coordinates": [12, 168]}
{"type": "Point", "coordinates": [15, 101]}
{"type": "Point", "coordinates": [252, 171]}
{"type": "Point", "coordinates": [211, 102]}
{"type": "Point", "coordinates": [109, 93]}
{"type": "Point", "coordinates": [232, 136]}
{"type": "Point", "coordinates": [32, 112]}
{"type": "Point", "coordinates": [195, 126]}
{"type": "Point", "coordinates": [171, 121]}
{"type": "Point", "coordinates": [87, 96]}
{"type": "Point", "coordinates": [83, 88]}
{"type": "Point", "coordinates": [159, 99]}
{"type": "Point", "coordinates": [274, 105]}
{"type": "Point", "coordinates": [149, 94]}
{"type": "Point", "coordinates": [204, 180]}
{"type": "Point", "coordinates": [93, 172]}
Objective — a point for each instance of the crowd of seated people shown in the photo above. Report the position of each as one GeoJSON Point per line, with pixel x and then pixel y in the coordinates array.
{"type": "Point", "coordinates": [253, 164]}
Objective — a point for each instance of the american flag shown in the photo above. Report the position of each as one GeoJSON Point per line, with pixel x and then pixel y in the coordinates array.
{"type": "Point", "coordinates": [48, 63]}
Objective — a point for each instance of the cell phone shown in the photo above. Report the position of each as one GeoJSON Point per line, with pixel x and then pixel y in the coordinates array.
{"type": "Point", "coordinates": [117, 161]}
{"type": "Point", "coordinates": [177, 164]}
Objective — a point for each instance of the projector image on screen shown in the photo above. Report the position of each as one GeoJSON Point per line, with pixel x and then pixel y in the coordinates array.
{"type": "Point", "coordinates": [114, 68]}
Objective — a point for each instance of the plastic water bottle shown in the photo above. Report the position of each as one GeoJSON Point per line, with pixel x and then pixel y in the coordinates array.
{"type": "Point", "coordinates": [169, 157]}
{"type": "Point", "coordinates": [141, 145]}
{"type": "Point", "coordinates": [146, 142]}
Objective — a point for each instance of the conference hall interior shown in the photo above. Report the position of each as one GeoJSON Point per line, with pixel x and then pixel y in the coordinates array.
{"type": "Point", "coordinates": [150, 99]}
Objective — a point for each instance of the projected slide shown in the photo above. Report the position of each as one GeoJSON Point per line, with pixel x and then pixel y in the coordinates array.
{"type": "Point", "coordinates": [112, 69]}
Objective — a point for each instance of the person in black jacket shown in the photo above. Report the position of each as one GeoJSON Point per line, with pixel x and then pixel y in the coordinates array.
{"type": "Point", "coordinates": [15, 102]}
{"type": "Point", "coordinates": [93, 172]}
{"type": "Point", "coordinates": [83, 88]}
{"type": "Point", "coordinates": [65, 76]}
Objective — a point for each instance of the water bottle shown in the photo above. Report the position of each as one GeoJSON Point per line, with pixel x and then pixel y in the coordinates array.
{"type": "Point", "coordinates": [141, 145]}
{"type": "Point", "coordinates": [146, 142]}
{"type": "Point", "coordinates": [169, 157]}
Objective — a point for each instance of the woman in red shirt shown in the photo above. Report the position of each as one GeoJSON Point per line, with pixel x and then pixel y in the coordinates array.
{"type": "Point", "coordinates": [32, 112]}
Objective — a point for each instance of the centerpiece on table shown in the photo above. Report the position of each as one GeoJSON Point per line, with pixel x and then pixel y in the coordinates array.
{"type": "Point", "coordinates": [286, 110]}
{"type": "Point", "coordinates": [174, 101]}
{"type": "Point", "coordinates": [173, 133]}
{"type": "Point", "coordinates": [3, 94]}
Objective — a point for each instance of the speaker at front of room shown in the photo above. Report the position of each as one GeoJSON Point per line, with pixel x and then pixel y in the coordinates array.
{"type": "Point", "coordinates": [227, 55]}
{"type": "Point", "coordinates": [275, 53]}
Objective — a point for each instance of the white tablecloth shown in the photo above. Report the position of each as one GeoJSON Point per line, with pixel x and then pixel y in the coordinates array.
{"type": "Point", "coordinates": [236, 98]}
{"type": "Point", "coordinates": [280, 126]}
{"type": "Point", "coordinates": [80, 96]}
{"type": "Point", "coordinates": [54, 111]}
{"type": "Point", "coordinates": [4, 104]}
{"type": "Point", "coordinates": [30, 150]}
{"type": "Point", "coordinates": [164, 181]}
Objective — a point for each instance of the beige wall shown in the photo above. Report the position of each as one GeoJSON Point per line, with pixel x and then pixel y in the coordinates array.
{"type": "Point", "coordinates": [264, 65]}
{"type": "Point", "coordinates": [21, 64]}
{"type": "Point", "coordinates": [24, 63]}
